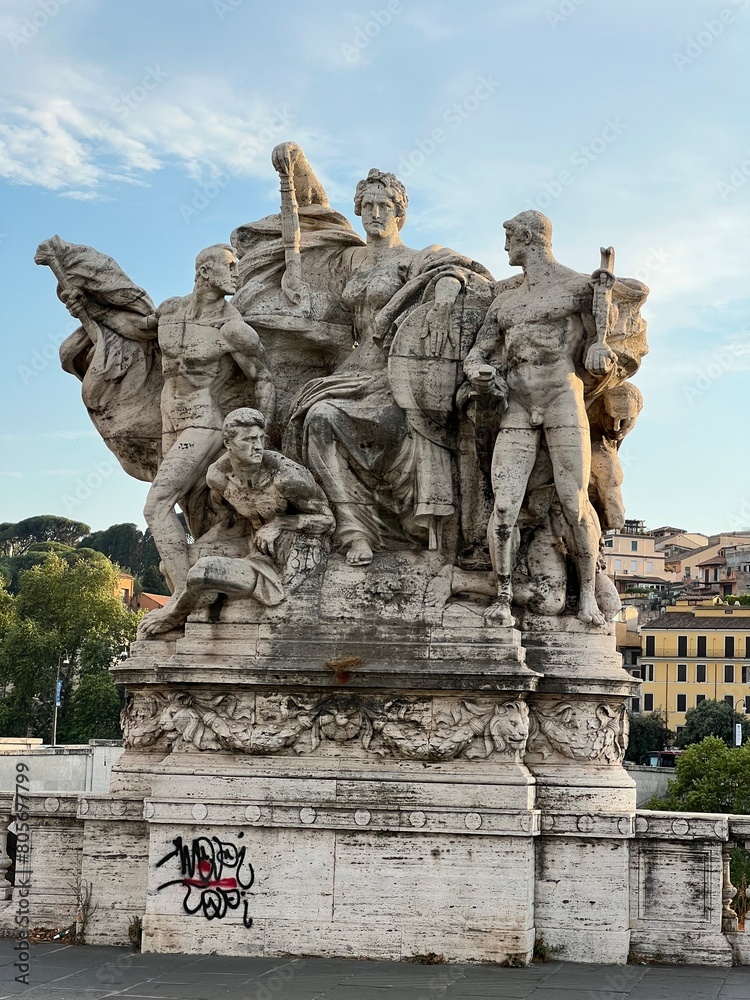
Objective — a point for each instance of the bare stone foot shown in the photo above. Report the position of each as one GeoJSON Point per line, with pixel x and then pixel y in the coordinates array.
{"type": "Point", "coordinates": [440, 588]}
{"type": "Point", "coordinates": [589, 613]}
{"type": "Point", "coordinates": [498, 614]}
{"type": "Point", "coordinates": [359, 552]}
{"type": "Point", "coordinates": [160, 620]}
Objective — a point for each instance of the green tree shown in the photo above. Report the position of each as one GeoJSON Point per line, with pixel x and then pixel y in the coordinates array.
{"type": "Point", "coordinates": [16, 538]}
{"type": "Point", "coordinates": [711, 777]}
{"type": "Point", "coordinates": [647, 733]}
{"type": "Point", "coordinates": [133, 551]}
{"type": "Point", "coordinates": [712, 718]}
{"type": "Point", "coordinates": [94, 710]}
{"type": "Point", "coordinates": [63, 610]}
{"type": "Point", "coordinates": [121, 543]}
{"type": "Point", "coordinates": [11, 567]}
{"type": "Point", "coordinates": [153, 582]}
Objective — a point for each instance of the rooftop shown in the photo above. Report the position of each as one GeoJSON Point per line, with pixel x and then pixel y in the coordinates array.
{"type": "Point", "coordinates": [701, 620]}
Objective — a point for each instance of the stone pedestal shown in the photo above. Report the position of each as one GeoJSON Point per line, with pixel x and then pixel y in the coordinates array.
{"type": "Point", "coordinates": [335, 790]}
{"type": "Point", "coordinates": [577, 742]}
{"type": "Point", "coordinates": [387, 791]}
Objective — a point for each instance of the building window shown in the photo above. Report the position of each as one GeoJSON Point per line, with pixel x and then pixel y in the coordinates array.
{"type": "Point", "coordinates": [647, 671]}
{"type": "Point", "coordinates": [648, 703]}
{"type": "Point", "coordinates": [650, 644]}
{"type": "Point", "coordinates": [729, 673]}
{"type": "Point", "coordinates": [699, 698]}
{"type": "Point", "coordinates": [700, 673]}
{"type": "Point", "coordinates": [634, 546]}
{"type": "Point", "coordinates": [747, 647]}
{"type": "Point", "coordinates": [682, 703]}
{"type": "Point", "coordinates": [701, 648]}
{"type": "Point", "coordinates": [633, 565]}
{"type": "Point", "coordinates": [747, 704]}
{"type": "Point", "coordinates": [728, 645]}
{"type": "Point", "coordinates": [649, 566]}
{"type": "Point", "coordinates": [682, 645]}
{"type": "Point", "coordinates": [609, 543]}
{"type": "Point", "coordinates": [618, 563]}
{"type": "Point", "coordinates": [729, 699]}
{"type": "Point", "coordinates": [635, 704]}
{"type": "Point", "coordinates": [746, 675]}
{"type": "Point", "coordinates": [682, 672]}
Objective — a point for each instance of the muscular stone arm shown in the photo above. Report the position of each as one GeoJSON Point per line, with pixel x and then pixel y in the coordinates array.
{"type": "Point", "coordinates": [287, 158]}
{"type": "Point", "coordinates": [216, 480]}
{"type": "Point", "coordinates": [298, 488]}
{"type": "Point", "coordinates": [249, 353]}
{"type": "Point", "coordinates": [142, 329]}
{"type": "Point", "coordinates": [125, 322]}
{"type": "Point", "coordinates": [446, 291]}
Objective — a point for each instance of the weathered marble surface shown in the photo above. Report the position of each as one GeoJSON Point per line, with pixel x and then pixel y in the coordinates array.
{"type": "Point", "coordinates": [386, 684]}
{"type": "Point", "coordinates": [444, 415]}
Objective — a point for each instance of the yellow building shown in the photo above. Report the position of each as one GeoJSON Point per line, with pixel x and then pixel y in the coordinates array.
{"type": "Point", "coordinates": [689, 654]}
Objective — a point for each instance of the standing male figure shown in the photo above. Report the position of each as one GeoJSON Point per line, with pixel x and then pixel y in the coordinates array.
{"type": "Point", "coordinates": [205, 346]}
{"type": "Point", "coordinates": [534, 333]}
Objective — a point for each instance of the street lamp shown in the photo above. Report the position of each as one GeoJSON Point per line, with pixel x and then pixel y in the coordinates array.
{"type": "Point", "coordinates": [63, 660]}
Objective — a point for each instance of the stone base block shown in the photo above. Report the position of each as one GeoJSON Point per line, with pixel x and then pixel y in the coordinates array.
{"type": "Point", "coordinates": [681, 947]}
{"type": "Point", "coordinates": [582, 888]}
{"type": "Point", "coordinates": [332, 865]}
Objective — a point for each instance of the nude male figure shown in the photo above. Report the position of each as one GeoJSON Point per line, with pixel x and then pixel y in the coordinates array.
{"type": "Point", "coordinates": [204, 343]}
{"type": "Point", "coordinates": [538, 329]}
{"type": "Point", "coordinates": [265, 499]}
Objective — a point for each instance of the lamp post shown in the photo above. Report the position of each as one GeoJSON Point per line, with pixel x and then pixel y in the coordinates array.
{"type": "Point", "coordinates": [64, 660]}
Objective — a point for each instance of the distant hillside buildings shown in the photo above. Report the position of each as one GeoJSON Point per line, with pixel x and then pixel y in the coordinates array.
{"type": "Point", "coordinates": [678, 633]}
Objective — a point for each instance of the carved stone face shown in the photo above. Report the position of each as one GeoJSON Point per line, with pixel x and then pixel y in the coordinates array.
{"type": "Point", "coordinates": [510, 726]}
{"type": "Point", "coordinates": [622, 412]}
{"type": "Point", "coordinates": [245, 445]}
{"type": "Point", "coordinates": [516, 242]}
{"type": "Point", "coordinates": [379, 213]}
{"type": "Point", "coordinates": [221, 272]}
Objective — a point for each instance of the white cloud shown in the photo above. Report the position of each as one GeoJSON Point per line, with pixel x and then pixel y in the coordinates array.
{"type": "Point", "coordinates": [82, 131]}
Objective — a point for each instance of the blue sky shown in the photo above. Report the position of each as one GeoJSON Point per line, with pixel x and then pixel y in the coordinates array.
{"type": "Point", "coordinates": [145, 129]}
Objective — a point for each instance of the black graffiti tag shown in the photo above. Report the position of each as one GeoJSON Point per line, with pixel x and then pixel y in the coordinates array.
{"type": "Point", "coordinates": [215, 875]}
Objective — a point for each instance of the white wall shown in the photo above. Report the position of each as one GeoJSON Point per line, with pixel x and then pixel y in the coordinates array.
{"type": "Point", "coordinates": [63, 769]}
